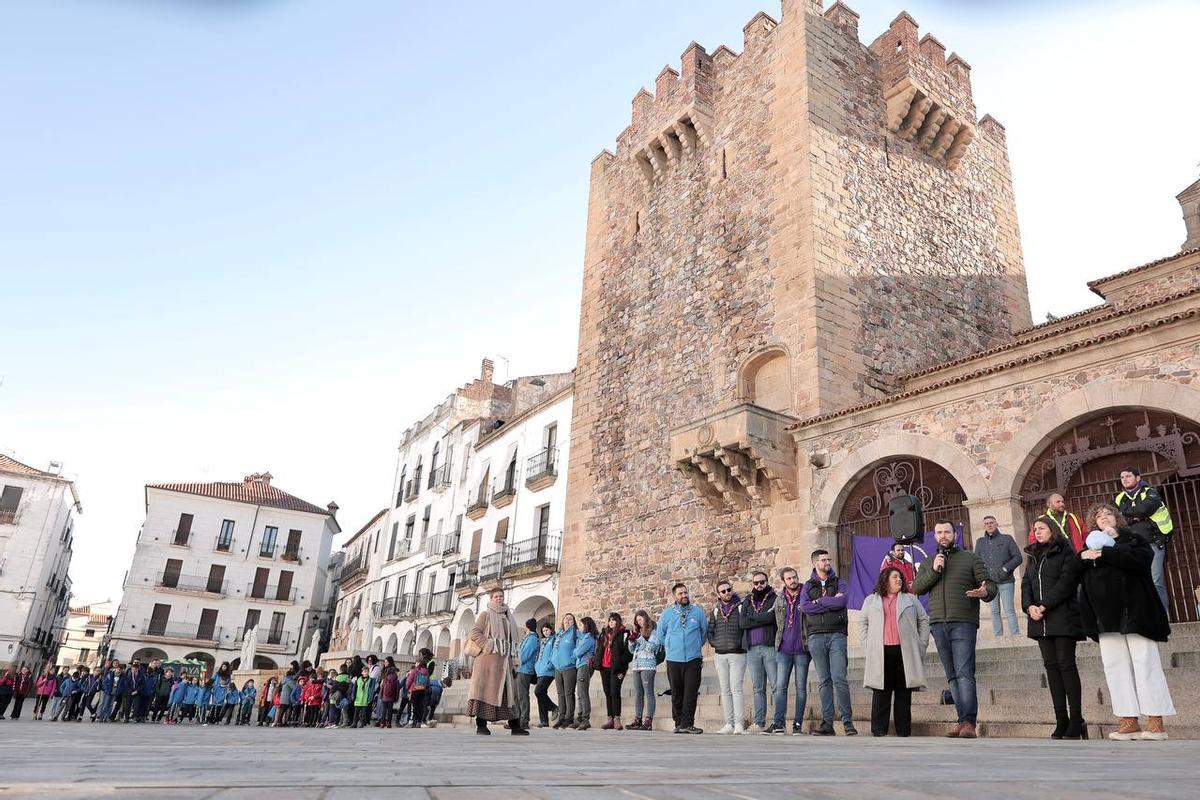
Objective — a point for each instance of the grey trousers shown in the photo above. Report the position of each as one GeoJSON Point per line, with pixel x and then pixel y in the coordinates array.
{"type": "Point", "coordinates": [564, 684]}
{"type": "Point", "coordinates": [583, 693]}
{"type": "Point", "coordinates": [522, 699]}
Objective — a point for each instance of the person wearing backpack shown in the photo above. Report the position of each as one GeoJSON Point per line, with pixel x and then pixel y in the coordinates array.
{"type": "Point", "coordinates": [417, 681]}
{"type": "Point", "coordinates": [645, 656]}
{"type": "Point", "coordinates": [362, 698]}
{"type": "Point", "coordinates": [389, 692]}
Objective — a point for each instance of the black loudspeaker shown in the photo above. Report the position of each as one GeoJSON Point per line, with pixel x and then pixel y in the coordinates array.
{"type": "Point", "coordinates": [906, 519]}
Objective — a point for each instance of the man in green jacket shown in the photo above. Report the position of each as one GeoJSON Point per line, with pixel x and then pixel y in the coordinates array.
{"type": "Point", "coordinates": [955, 580]}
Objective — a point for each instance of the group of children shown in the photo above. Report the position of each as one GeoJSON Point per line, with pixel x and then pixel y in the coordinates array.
{"type": "Point", "coordinates": [353, 696]}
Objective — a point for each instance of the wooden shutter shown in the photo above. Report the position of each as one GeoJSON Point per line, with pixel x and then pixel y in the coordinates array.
{"type": "Point", "coordinates": [171, 572]}
{"type": "Point", "coordinates": [252, 617]}
{"type": "Point", "coordinates": [184, 530]}
{"type": "Point", "coordinates": [293, 544]}
{"type": "Point", "coordinates": [502, 530]}
{"type": "Point", "coordinates": [208, 624]}
{"type": "Point", "coordinates": [476, 542]}
{"type": "Point", "coordinates": [158, 619]}
{"type": "Point", "coordinates": [216, 578]}
{"type": "Point", "coordinates": [284, 591]}
{"type": "Point", "coordinates": [261, 575]}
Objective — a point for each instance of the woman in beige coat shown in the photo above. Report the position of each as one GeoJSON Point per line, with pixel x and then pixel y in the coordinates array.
{"type": "Point", "coordinates": [495, 643]}
{"type": "Point", "coordinates": [895, 633]}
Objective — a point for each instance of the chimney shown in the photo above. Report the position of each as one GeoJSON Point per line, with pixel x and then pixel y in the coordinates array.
{"type": "Point", "coordinates": [1189, 201]}
{"type": "Point", "coordinates": [333, 509]}
{"type": "Point", "coordinates": [487, 370]}
{"type": "Point", "coordinates": [258, 479]}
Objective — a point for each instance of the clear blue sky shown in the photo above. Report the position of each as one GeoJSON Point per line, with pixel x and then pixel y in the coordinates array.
{"type": "Point", "coordinates": [269, 234]}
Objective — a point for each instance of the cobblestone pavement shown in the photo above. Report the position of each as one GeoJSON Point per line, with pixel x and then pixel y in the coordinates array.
{"type": "Point", "coordinates": [66, 760]}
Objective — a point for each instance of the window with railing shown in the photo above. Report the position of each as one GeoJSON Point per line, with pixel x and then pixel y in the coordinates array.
{"type": "Point", "coordinates": [541, 465]}
{"type": "Point", "coordinates": [10, 502]}
{"type": "Point", "coordinates": [490, 566]}
{"type": "Point", "coordinates": [225, 538]}
{"type": "Point", "coordinates": [266, 548]}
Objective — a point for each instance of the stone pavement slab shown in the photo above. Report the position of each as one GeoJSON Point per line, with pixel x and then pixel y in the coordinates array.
{"type": "Point", "coordinates": [66, 761]}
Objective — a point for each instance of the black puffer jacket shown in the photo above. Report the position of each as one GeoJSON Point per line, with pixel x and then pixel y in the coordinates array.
{"type": "Point", "coordinates": [725, 634]}
{"type": "Point", "coordinates": [1117, 594]}
{"type": "Point", "coordinates": [620, 653]}
{"type": "Point", "coordinates": [1052, 580]}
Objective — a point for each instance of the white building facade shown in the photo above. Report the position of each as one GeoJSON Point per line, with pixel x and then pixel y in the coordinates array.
{"type": "Point", "coordinates": [412, 577]}
{"type": "Point", "coordinates": [215, 561]}
{"type": "Point", "coordinates": [84, 636]}
{"type": "Point", "coordinates": [37, 532]}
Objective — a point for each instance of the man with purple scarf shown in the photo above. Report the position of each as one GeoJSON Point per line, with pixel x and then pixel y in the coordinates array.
{"type": "Point", "coordinates": [791, 657]}
{"type": "Point", "coordinates": [758, 638]}
{"type": "Point", "coordinates": [725, 636]}
{"type": "Point", "coordinates": [823, 602]}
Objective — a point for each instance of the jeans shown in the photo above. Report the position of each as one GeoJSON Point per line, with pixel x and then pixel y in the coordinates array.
{"type": "Point", "coordinates": [785, 663]}
{"type": "Point", "coordinates": [546, 706]}
{"type": "Point", "coordinates": [56, 707]}
{"type": "Point", "coordinates": [731, 674]}
{"type": "Point", "coordinates": [1002, 603]}
{"type": "Point", "coordinates": [105, 706]}
{"type": "Point", "coordinates": [524, 681]}
{"type": "Point", "coordinates": [828, 652]}
{"type": "Point", "coordinates": [684, 677]}
{"type": "Point", "coordinates": [956, 648]}
{"type": "Point", "coordinates": [761, 663]}
{"type": "Point", "coordinates": [643, 693]}
{"type": "Point", "coordinates": [564, 683]}
{"type": "Point", "coordinates": [1158, 573]}
{"type": "Point", "coordinates": [583, 693]}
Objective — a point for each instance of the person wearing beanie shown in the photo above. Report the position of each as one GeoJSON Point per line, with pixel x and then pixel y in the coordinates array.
{"type": "Point", "coordinates": [527, 670]}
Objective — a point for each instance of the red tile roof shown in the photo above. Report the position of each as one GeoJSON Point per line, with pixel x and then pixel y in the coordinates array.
{"type": "Point", "coordinates": [14, 467]}
{"type": "Point", "coordinates": [1096, 284]}
{"type": "Point", "coordinates": [258, 492]}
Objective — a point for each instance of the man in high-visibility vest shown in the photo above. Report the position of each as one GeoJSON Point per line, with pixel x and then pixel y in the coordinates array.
{"type": "Point", "coordinates": [1065, 523]}
{"type": "Point", "coordinates": [1148, 517]}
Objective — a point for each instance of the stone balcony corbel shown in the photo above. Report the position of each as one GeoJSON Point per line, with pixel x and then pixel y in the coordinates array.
{"type": "Point", "coordinates": [738, 456]}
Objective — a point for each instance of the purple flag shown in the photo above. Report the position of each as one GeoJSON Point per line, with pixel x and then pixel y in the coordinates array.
{"type": "Point", "coordinates": [867, 557]}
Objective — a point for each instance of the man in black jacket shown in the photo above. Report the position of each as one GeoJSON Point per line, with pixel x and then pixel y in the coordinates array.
{"type": "Point", "coordinates": [758, 640]}
{"type": "Point", "coordinates": [1148, 516]}
{"type": "Point", "coordinates": [725, 636]}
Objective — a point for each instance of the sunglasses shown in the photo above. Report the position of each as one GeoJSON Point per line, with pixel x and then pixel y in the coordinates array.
{"type": "Point", "coordinates": [724, 591]}
{"type": "Point", "coordinates": [759, 583]}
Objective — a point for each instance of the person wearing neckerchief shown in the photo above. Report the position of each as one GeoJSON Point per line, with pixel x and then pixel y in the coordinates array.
{"type": "Point", "coordinates": [791, 656]}
{"type": "Point", "coordinates": [725, 636]}
{"type": "Point", "coordinates": [682, 630]}
{"type": "Point", "coordinates": [758, 639]}
{"type": "Point", "coordinates": [826, 623]}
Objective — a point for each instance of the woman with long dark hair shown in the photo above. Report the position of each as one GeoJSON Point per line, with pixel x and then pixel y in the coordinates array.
{"type": "Point", "coordinates": [612, 656]}
{"type": "Point", "coordinates": [1120, 608]}
{"type": "Point", "coordinates": [564, 670]}
{"type": "Point", "coordinates": [643, 654]}
{"type": "Point", "coordinates": [895, 633]}
{"type": "Point", "coordinates": [1048, 596]}
{"type": "Point", "coordinates": [585, 649]}
{"type": "Point", "coordinates": [544, 668]}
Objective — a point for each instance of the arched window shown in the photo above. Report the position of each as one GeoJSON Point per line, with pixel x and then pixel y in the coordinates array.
{"type": "Point", "coordinates": [766, 380]}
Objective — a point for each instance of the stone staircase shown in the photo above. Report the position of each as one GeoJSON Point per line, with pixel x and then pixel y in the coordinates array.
{"type": "Point", "coordinates": [1013, 698]}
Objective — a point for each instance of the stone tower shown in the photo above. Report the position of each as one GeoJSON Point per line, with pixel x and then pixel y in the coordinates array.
{"type": "Point", "coordinates": [779, 234]}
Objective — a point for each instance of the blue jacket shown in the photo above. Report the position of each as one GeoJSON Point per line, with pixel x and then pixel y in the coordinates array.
{"type": "Point", "coordinates": [219, 688]}
{"type": "Point", "coordinates": [205, 697]}
{"type": "Point", "coordinates": [249, 694]}
{"type": "Point", "coordinates": [109, 682]}
{"type": "Point", "coordinates": [529, 654]}
{"type": "Point", "coordinates": [682, 631]}
{"type": "Point", "coordinates": [178, 693]}
{"type": "Point", "coordinates": [585, 646]}
{"type": "Point", "coordinates": [544, 666]}
{"type": "Point", "coordinates": [149, 684]}
{"type": "Point", "coordinates": [564, 649]}
{"type": "Point", "coordinates": [287, 691]}
{"type": "Point", "coordinates": [67, 686]}
{"type": "Point", "coordinates": [232, 696]}
{"type": "Point", "coordinates": [193, 694]}
{"type": "Point", "coordinates": [644, 652]}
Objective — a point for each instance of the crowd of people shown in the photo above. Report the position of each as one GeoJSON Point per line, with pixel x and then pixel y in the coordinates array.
{"type": "Point", "coordinates": [361, 692]}
{"type": "Point", "coordinates": [1102, 585]}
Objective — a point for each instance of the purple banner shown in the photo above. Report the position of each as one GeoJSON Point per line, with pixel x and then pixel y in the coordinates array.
{"type": "Point", "coordinates": [868, 552]}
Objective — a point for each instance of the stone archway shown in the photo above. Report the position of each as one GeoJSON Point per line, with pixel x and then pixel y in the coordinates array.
{"type": "Point", "coordinates": [392, 644]}
{"type": "Point", "coordinates": [765, 379]}
{"type": "Point", "coordinates": [407, 643]}
{"type": "Point", "coordinates": [1083, 463]}
{"type": "Point", "coordinates": [147, 654]}
{"type": "Point", "coordinates": [863, 507]}
{"type": "Point", "coordinates": [424, 640]}
{"type": "Point", "coordinates": [536, 607]}
{"type": "Point", "coordinates": [443, 644]}
{"type": "Point", "coordinates": [210, 662]}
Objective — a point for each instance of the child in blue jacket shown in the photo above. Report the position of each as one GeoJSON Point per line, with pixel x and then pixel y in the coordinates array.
{"type": "Point", "coordinates": [193, 695]}
{"type": "Point", "coordinates": [203, 707]}
{"type": "Point", "coordinates": [175, 700]}
{"type": "Point", "coordinates": [233, 701]}
{"type": "Point", "coordinates": [249, 694]}
{"type": "Point", "coordinates": [585, 647]}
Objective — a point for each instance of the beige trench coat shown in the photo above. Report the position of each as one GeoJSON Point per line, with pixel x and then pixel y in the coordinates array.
{"type": "Point", "coordinates": [913, 623]}
{"type": "Point", "coordinates": [492, 672]}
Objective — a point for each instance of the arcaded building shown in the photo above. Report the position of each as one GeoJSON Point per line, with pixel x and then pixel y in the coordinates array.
{"type": "Point", "coordinates": [804, 293]}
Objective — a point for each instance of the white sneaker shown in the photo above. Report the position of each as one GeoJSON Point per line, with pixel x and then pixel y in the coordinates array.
{"type": "Point", "coordinates": [726, 730]}
{"type": "Point", "coordinates": [754, 729]}
{"type": "Point", "coordinates": [738, 729]}
{"type": "Point", "coordinates": [1153, 736]}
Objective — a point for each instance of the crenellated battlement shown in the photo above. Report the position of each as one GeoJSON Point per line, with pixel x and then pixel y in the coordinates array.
{"type": "Point", "coordinates": [928, 95]}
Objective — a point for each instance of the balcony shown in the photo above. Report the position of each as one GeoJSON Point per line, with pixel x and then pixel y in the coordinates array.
{"type": "Point", "coordinates": [440, 602]}
{"type": "Point", "coordinates": [541, 470]}
{"type": "Point", "coordinates": [443, 544]}
{"type": "Point", "coordinates": [291, 554]}
{"type": "Point", "coordinates": [270, 594]}
{"type": "Point", "coordinates": [738, 456]}
{"type": "Point", "coordinates": [192, 632]}
{"type": "Point", "coordinates": [223, 545]}
{"type": "Point", "coordinates": [533, 554]}
{"type": "Point", "coordinates": [193, 584]}
{"type": "Point", "coordinates": [478, 505]}
{"type": "Point", "coordinates": [411, 490]}
{"type": "Point", "coordinates": [505, 494]}
{"type": "Point", "coordinates": [399, 607]}
{"type": "Point", "coordinates": [469, 579]}
{"type": "Point", "coordinates": [440, 478]}
{"type": "Point", "coordinates": [353, 568]}
{"type": "Point", "coordinates": [9, 516]}
{"type": "Point", "coordinates": [267, 638]}
{"type": "Point", "coordinates": [180, 539]}
{"type": "Point", "coordinates": [490, 567]}
{"type": "Point", "coordinates": [267, 550]}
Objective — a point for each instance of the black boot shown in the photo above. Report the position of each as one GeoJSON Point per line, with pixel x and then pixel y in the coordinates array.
{"type": "Point", "coordinates": [1062, 724]}
{"type": "Point", "coordinates": [1058, 696]}
{"type": "Point", "coordinates": [481, 727]}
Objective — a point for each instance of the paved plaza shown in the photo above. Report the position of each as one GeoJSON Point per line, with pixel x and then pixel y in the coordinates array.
{"type": "Point", "coordinates": [83, 760]}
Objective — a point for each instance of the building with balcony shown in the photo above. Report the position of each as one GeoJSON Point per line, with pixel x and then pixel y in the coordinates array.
{"type": "Point", "coordinates": [415, 567]}
{"type": "Point", "coordinates": [351, 631]}
{"type": "Point", "coordinates": [217, 560]}
{"type": "Point", "coordinates": [84, 639]}
{"type": "Point", "coordinates": [37, 509]}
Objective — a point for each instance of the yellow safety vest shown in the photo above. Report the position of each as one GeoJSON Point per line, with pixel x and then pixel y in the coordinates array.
{"type": "Point", "coordinates": [1161, 517]}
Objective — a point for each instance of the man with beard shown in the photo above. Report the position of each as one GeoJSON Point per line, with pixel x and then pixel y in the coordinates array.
{"type": "Point", "coordinates": [682, 630]}
{"type": "Point", "coordinates": [758, 629]}
{"type": "Point", "coordinates": [826, 622]}
{"type": "Point", "coordinates": [725, 636]}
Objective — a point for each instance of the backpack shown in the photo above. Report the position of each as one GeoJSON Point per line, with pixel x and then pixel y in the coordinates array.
{"type": "Point", "coordinates": [421, 681]}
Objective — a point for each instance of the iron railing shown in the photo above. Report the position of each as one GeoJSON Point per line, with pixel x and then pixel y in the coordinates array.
{"type": "Point", "coordinates": [479, 502]}
{"type": "Point", "coordinates": [490, 566]}
{"type": "Point", "coordinates": [508, 489]}
{"type": "Point", "coordinates": [441, 476]}
{"type": "Point", "coordinates": [352, 567]}
{"type": "Point", "coordinates": [291, 554]}
{"type": "Point", "coordinates": [267, 636]}
{"type": "Point", "coordinates": [270, 594]}
{"type": "Point", "coordinates": [9, 516]}
{"type": "Point", "coordinates": [181, 539]}
{"type": "Point", "coordinates": [191, 583]}
{"type": "Point", "coordinates": [544, 550]}
{"type": "Point", "coordinates": [541, 465]}
{"type": "Point", "coordinates": [182, 630]}
{"type": "Point", "coordinates": [223, 545]}
{"type": "Point", "coordinates": [470, 575]}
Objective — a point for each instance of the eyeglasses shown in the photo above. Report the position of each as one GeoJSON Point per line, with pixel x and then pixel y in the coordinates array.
{"type": "Point", "coordinates": [759, 583]}
{"type": "Point", "coordinates": [724, 591]}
